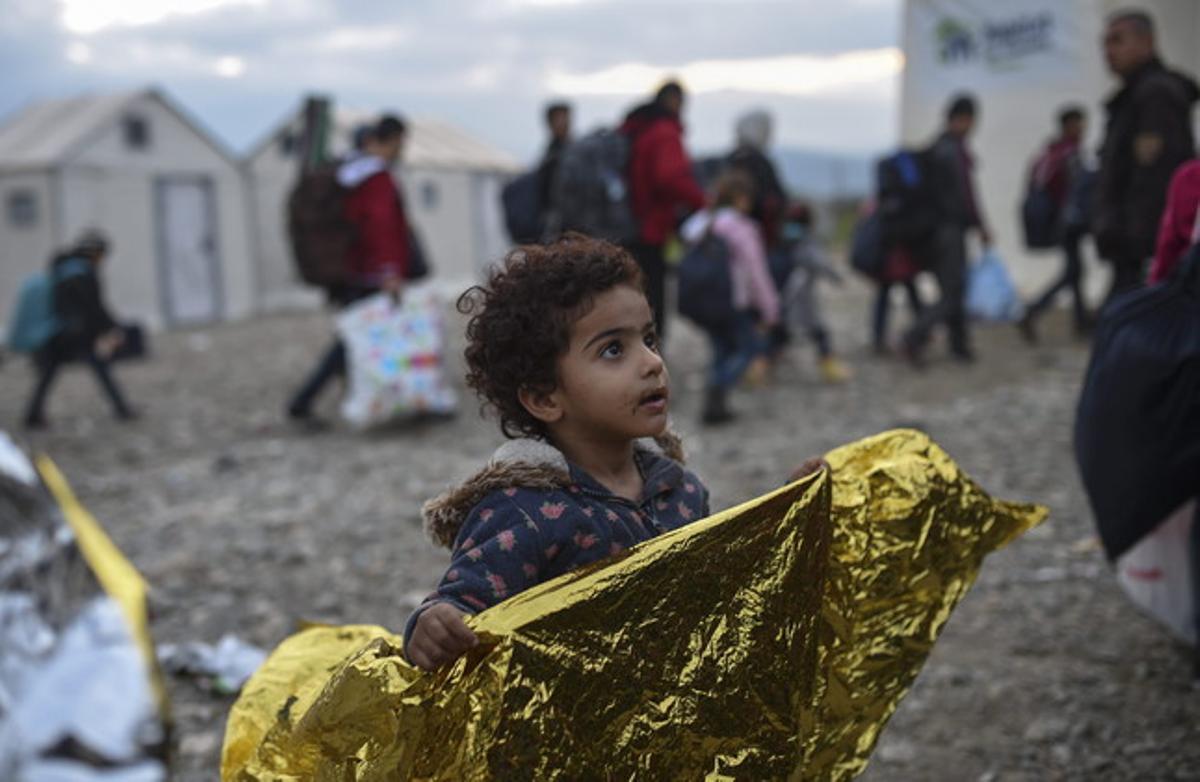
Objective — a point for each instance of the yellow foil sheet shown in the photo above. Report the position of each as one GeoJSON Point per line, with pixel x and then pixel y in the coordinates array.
{"type": "Point", "coordinates": [771, 641]}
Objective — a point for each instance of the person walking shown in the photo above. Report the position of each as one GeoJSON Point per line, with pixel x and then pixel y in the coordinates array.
{"type": "Point", "coordinates": [755, 300]}
{"type": "Point", "coordinates": [378, 258]}
{"type": "Point", "coordinates": [558, 122]}
{"type": "Point", "coordinates": [1148, 135]}
{"type": "Point", "coordinates": [660, 185]}
{"type": "Point", "coordinates": [753, 137]}
{"type": "Point", "coordinates": [1059, 173]}
{"type": "Point", "coordinates": [86, 329]}
{"type": "Point", "coordinates": [952, 171]}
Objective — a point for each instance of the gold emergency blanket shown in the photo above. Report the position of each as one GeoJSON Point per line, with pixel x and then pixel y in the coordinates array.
{"type": "Point", "coordinates": [771, 641]}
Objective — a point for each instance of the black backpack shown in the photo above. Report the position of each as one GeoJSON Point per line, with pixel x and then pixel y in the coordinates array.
{"type": "Point", "coordinates": [319, 233]}
{"type": "Point", "coordinates": [590, 191]}
{"type": "Point", "coordinates": [906, 197]}
{"type": "Point", "coordinates": [868, 256]}
{"type": "Point", "coordinates": [1137, 425]}
{"type": "Point", "coordinates": [523, 209]}
{"type": "Point", "coordinates": [706, 284]}
{"type": "Point", "coordinates": [1041, 218]}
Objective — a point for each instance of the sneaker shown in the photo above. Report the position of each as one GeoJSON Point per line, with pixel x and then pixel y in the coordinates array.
{"type": "Point", "coordinates": [35, 424]}
{"type": "Point", "coordinates": [963, 355]}
{"type": "Point", "coordinates": [834, 370]}
{"type": "Point", "coordinates": [913, 352]}
{"type": "Point", "coordinates": [306, 421]}
{"type": "Point", "coordinates": [716, 408]}
{"type": "Point", "coordinates": [758, 373]}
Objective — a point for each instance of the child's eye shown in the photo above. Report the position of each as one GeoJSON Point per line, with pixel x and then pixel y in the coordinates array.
{"type": "Point", "coordinates": [611, 350]}
{"type": "Point", "coordinates": [651, 341]}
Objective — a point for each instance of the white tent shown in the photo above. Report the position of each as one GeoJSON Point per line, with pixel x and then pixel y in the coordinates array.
{"type": "Point", "coordinates": [135, 166]}
{"type": "Point", "coordinates": [1024, 59]}
{"type": "Point", "coordinates": [451, 185]}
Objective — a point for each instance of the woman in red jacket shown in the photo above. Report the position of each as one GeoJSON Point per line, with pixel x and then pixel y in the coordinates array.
{"type": "Point", "coordinates": [661, 185]}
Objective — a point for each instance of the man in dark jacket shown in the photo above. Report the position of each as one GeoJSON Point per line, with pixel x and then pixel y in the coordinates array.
{"type": "Point", "coordinates": [952, 171]}
{"type": "Point", "coordinates": [558, 122]}
{"type": "Point", "coordinates": [378, 258]}
{"type": "Point", "coordinates": [87, 331]}
{"type": "Point", "coordinates": [1148, 135]}
{"type": "Point", "coordinates": [661, 186]}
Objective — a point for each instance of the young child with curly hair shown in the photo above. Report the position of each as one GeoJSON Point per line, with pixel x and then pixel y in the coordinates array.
{"type": "Point", "coordinates": [562, 345]}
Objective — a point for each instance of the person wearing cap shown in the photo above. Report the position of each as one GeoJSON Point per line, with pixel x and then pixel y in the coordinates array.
{"type": "Point", "coordinates": [87, 331]}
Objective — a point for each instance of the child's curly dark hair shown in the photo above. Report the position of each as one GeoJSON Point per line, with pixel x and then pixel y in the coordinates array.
{"type": "Point", "coordinates": [521, 319]}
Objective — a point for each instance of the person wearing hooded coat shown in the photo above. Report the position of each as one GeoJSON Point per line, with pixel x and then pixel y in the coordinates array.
{"type": "Point", "coordinates": [1147, 137]}
{"type": "Point", "coordinates": [662, 188]}
{"type": "Point", "coordinates": [753, 136]}
{"type": "Point", "coordinates": [87, 331]}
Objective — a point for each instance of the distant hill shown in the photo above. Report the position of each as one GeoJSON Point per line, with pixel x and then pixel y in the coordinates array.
{"type": "Point", "coordinates": [822, 175]}
{"type": "Point", "coordinates": [825, 175]}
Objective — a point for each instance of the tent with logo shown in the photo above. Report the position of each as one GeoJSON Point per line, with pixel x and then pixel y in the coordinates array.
{"type": "Point", "coordinates": [1024, 59]}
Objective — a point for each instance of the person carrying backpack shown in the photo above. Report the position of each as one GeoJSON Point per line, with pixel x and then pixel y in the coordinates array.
{"type": "Point", "coordinates": [731, 236]}
{"type": "Point", "coordinates": [378, 254]}
{"type": "Point", "coordinates": [952, 171]}
{"type": "Point", "coordinates": [661, 184]}
{"type": "Point", "coordinates": [1056, 178]}
{"type": "Point", "coordinates": [83, 328]}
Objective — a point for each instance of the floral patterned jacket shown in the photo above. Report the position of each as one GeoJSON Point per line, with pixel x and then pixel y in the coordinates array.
{"type": "Point", "coordinates": [530, 516]}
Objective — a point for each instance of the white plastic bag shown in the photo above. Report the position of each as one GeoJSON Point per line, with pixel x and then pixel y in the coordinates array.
{"type": "Point", "coordinates": [991, 294]}
{"type": "Point", "coordinates": [1157, 573]}
{"type": "Point", "coordinates": [394, 354]}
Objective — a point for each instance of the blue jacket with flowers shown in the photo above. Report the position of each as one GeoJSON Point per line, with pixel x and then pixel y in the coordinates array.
{"type": "Point", "coordinates": [530, 516]}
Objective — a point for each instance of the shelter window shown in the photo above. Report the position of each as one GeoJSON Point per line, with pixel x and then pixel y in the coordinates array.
{"type": "Point", "coordinates": [288, 143]}
{"type": "Point", "coordinates": [22, 209]}
{"type": "Point", "coordinates": [429, 195]}
{"type": "Point", "coordinates": [137, 132]}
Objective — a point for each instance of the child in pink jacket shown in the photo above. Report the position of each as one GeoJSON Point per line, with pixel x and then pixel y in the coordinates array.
{"type": "Point", "coordinates": [754, 295]}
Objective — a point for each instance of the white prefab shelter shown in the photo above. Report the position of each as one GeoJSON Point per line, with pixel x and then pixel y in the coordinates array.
{"type": "Point", "coordinates": [451, 185]}
{"type": "Point", "coordinates": [135, 166]}
{"type": "Point", "coordinates": [1024, 60]}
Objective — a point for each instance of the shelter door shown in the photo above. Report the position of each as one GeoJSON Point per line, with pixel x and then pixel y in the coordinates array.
{"type": "Point", "coordinates": [189, 266]}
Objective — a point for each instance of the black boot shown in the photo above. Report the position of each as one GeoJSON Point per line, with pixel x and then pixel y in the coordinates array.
{"type": "Point", "coordinates": [716, 408]}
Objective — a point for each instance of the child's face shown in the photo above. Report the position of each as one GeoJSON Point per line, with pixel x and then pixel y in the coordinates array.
{"type": "Point", "coordinates": [613, 384]}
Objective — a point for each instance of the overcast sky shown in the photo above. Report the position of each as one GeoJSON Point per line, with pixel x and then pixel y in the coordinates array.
{"type": "Point", "coordinates": [828, 70]}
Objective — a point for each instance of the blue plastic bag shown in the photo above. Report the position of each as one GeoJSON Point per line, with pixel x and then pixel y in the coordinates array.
{"type": "Point", "coordinates": [991, 294]}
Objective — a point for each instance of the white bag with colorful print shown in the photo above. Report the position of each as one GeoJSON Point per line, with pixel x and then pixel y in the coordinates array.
{"type": "Point", "coordinates": [394, 353]}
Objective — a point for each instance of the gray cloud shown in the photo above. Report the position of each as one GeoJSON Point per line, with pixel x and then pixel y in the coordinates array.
{"type": "Point", "coordinates": [479, 63]}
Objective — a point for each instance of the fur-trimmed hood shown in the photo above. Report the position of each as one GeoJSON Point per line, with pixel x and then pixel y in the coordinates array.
{"type": "Point", "coordinates": [526, 463]}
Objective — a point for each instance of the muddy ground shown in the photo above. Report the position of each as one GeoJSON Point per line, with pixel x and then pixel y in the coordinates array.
{"type": "Point", "coordinates": [243, 524]}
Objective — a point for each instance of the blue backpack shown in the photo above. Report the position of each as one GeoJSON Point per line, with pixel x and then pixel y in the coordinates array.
{"type": "Point", "coordinates": [706, 284]}
{"type": "Point", "coordinates": [35, 320]}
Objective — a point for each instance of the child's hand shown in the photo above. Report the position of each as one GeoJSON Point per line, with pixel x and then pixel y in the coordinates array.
{"type": "Point", "coordinates": [808, 467]}
{"type": "Point", "coordinates": [441, 636]}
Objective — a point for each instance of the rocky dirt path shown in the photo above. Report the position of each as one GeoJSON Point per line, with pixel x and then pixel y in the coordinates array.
{"type": "Point", "coordinates": [244, 525]}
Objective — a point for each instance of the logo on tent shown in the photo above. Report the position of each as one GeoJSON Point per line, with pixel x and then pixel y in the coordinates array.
{"type": "Point", "coordinates": [1000, 43]}
{"type": "Point", "coordinates": [956, 41]}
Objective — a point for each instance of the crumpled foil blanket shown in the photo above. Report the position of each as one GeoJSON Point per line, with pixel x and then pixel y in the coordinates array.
{"type": "Point", "coordinates": [771, 641]}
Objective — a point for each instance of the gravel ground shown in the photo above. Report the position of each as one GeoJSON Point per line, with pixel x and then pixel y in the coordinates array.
{"type": "Point", "coordinates": [245, 525]}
